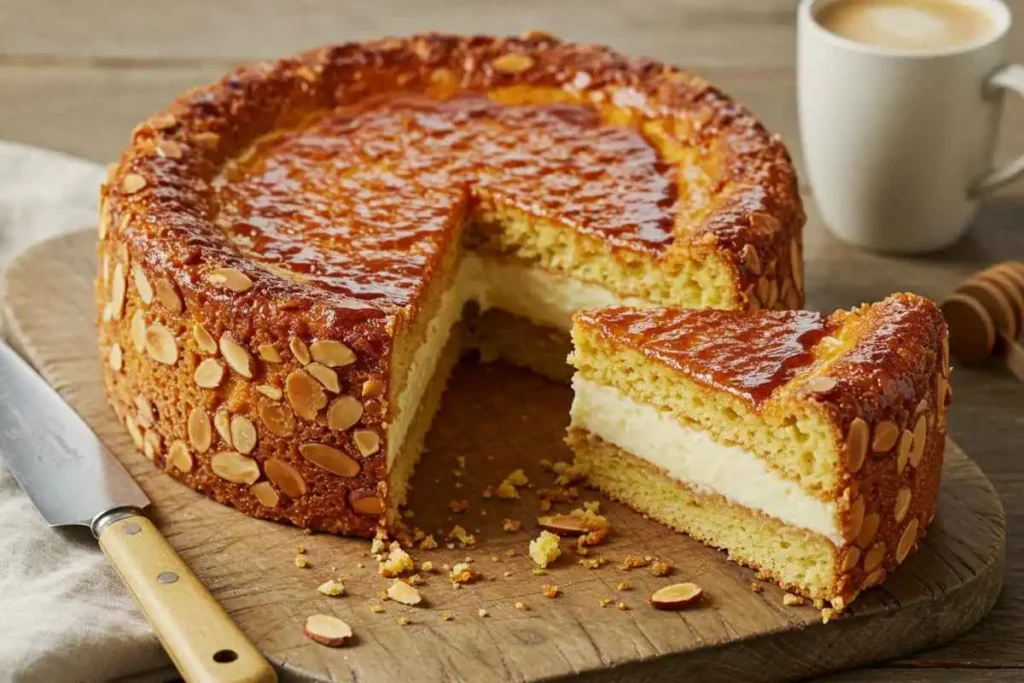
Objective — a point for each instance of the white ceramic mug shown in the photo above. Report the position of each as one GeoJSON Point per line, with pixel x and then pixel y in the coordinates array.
{"type": "Point", "coordinates": [898, 144]}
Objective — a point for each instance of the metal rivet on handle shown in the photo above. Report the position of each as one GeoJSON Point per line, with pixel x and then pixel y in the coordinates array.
{"type": "Point", "coordinates": [167, 577]}
{"type": "Point", "coordinates": [131, 528]}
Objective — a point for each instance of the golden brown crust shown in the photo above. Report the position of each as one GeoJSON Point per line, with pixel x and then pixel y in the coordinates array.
{"type": "Point", "coordinates": [168, 264]}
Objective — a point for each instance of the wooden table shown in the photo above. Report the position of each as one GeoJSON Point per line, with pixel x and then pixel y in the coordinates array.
{"type": "Point", "coordinates": [77, 76]}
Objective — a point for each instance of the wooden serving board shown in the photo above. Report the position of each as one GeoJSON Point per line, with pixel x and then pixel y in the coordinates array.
{"type": "Point", "coordinates": [500, 418]}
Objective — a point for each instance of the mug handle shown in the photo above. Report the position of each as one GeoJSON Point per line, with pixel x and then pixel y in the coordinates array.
{"type": "Point", "coordinates": [1010, 78]}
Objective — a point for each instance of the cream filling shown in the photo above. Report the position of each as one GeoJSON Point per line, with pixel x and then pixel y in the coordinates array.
{"type": "Point", "coordinates": [543, 297]}
{"type": "Point", "coordinates": [691, 456]}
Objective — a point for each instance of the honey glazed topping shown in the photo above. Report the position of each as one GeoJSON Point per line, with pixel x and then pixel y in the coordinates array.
{"type": "Point", "coordinates": [747, 354]}
{"type": "Point", "coordinates": [359, 200]}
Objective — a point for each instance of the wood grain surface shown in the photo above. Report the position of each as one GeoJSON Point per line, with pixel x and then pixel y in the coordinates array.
{"type": "Point", "coordinates": [78, 76]}
{"type": "Point", "coordinates": [737, 633]}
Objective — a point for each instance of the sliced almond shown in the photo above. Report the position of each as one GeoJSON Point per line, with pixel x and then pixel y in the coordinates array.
{"type": "Point", "coordinates": [115, 358]}
{"type": "Point", "coordinates": [138, 330]}
{"type": "Point", "coordinates": [132, 183]}
{"type": "Point", "coordinates": [151, 445]}
{"type": "Point", "coordinates": [855, 520]}
{"type": "Point", "coordinates": [907, 541]}
{"type": "Point", "coordinates": [821, 385]}
{"type": "Point", "coordinates": [903, 497]}
{"type": "Point", "coordinates": [903, 453]}
{"type": "Point", "coordinates": [264, 493]}
{"type": "Point", "coordinates": [163, 121]}
{"type": "Point", "coordinates": [327, 630]}
{"type": "Point", "coordinates": [400, 591]}
{"type": "Point", "coordinates": [133, 431]}
{"type": "Point", "coordinates": [222, 423]}
{"type": "Point", "coordinates": [856, 445]}
{"type": "Point", "coordinates": [751, 259]}
{"type": "Point", "coordinates": [324, 375]}
{"type": "Point", "coordinates": [367, 441]}
{"type": "Point", "coordinates": [366, 503]}
{"type": "Point", "coordinates": [199, 433]}
{"type": "Point", "coordinates": [873, 558]}
{"type": "Point", "coordinates": [277, 418]}
{"type": "Point", "coordinates": [167, 295]}
{"type": "Point", "coordinates": [305, 394]}
{"type": "Point", "coordinates": [330, 459]}
{"type": "Point", "coordinates": [343, 413]}
{"type": "Point", "coordinates": [209, 374]}
{"type": "Point", "coordinates": [237, 356]}
{"type": "Point", "coordinates": [207, 139]}
{"type": "Point", "coordinates": [567, 524]}
{"type": "Point", "coordinates": [160, 344]}
{"type": "Point", "coordinates": [332, 353]}
{"type": "Point", "coordinates": [919, 442]}
{"type": "Point", "coordinates": [144, 413]}
{"type": "Point", "coordinates": [142, 285]}
{"type": "Point", "coordinates": [287, 478]}
{"type": "Point", "coordinates": [270, 391]}
{"type": "Point", "coordinates": [850, 558]}
{"type": "Point", "coordinates": [873, 579]}
{"type": "Point", "coordinates": [886, 434]}
{"type": "Point", "coordinates": [204, 340]}
{"type": "Point", "coordinates": [676, 596]}
{"type": "Point", "coordinates": [229, 278]}
{"type": "Point", "coordinates": [945, 356]}
{"type": "Point", "coordinates": [796, 264]}
{"type": "Point", "coordinates": [118, 285]}
{"type": "Point", "coordinates": [299, 350]}
{"type": "Point", "coordinates": [235, 467]}
{"type": "Point", "coordinates": [243, 434]}
{"type": "Point", "coordinates": [168, 149]}
{"type": "Point", "coordinates": [269, 353]}
{"type": "Point", "coordinates": [868, 529]}
{"type": "Point", "coordinates": [179, 457]}
{"type": "Point", "coordinates": [512, 63]}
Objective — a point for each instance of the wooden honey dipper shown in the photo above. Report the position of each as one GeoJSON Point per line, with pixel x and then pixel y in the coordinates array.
{"type": "Point", "coordinates": [986, 315]}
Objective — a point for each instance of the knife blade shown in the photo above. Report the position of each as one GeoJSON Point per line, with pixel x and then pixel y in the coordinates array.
{"type": "Point", "coordinates": [72, 479]}
{"type": "Point", "coordinates": [62, 466]}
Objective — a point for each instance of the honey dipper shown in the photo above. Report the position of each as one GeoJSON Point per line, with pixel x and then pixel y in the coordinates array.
{"type": "Point", "coordinates": [986, 314]}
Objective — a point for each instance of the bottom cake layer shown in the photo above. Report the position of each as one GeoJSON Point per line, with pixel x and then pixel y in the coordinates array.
{"type": "Point", "coordinates": [796, 559]}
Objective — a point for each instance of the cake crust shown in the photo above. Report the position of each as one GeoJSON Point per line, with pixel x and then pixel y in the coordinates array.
{"type": "Point", "coordinates": [224, 334]}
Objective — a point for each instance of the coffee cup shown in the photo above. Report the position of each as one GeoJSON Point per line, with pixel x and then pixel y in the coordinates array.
{"type": "Point", "coordinates": [898, 107]}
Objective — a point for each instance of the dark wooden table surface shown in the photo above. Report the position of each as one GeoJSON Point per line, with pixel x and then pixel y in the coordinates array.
{"type": "Point", "coordinates": [77, 76]}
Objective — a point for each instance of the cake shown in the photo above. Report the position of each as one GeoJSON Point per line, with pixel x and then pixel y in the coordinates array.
{"type": "Point", "coordinates": [807, 446]}
{"type": "Point", "coordinates": [292, 259]}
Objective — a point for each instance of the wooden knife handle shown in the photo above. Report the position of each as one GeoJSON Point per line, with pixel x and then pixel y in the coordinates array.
{"type": "Point", "coordinates": [200, 637]}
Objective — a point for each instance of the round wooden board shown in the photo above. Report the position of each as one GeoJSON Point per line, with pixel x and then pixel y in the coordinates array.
{"type": "Point", "coordinates": [499, 418]}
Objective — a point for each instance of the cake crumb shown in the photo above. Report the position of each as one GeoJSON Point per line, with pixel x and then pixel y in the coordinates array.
{"type": "Point", "coordinates": [415, 580]}
{"type": "Point", "coordinates": [462, 573]}
{"type": "Point", "coordinates": [546, 464]}
{"type": "Point", "coordinates": [510, 552]}
{"type": "Point", "coordinates": [559, 466]}
{"type": "Point", "coordinates": [511, 524]}
{"type": "Point", "coordinates": [827, 615]}
{"type": "Point", "coordinates": [426, 566]}
{"type": "Point", "coordinates": [331, 588]}
{"type": "Point", "coordinates": [507, 573]}
{"type": "Point", "coordinates": [592, 506]}
{"type": "Point", "coordinates": [403, 621]}
{"type": "Point", "coordinates": [398, 562]}
{"type": "Point", "coordinates": [661, 569]}
{"type": "Point", "coordinates": [537, 571]}
{"type": "Point", "coordinates": [624, 586]}
{"type": "Point", "coordinates": [300, 549]}
{"type": "Point", "coordinates": [517, 478]}
{"type": "Point", "coordinates": [428, 543]}
{"type": "Point", "coordinates": [819, 603]}
{"type": "Point", "coordinates": [376, 609]}
{"type": "Point", "coordinates": [593, 563]}
{"type": "Point", "coordinates": [621, 606]}
{"type": "Point", "coordinates": [301, 561]}
{"type": "Point", "coordinates": [462, 536]}
{"type": "Point", "coordinates": [458, 506]}
{"type": "Point", "coordinates": [461, 459]}
{"type": "Point", "coordinates": [634, 562]}
{"type": "Point", "coordinates": [380, 543]}
{"type": "Point", "coordinates": [447, 616]}
{"type": "Point", "coordinates": [791, 600]}
{"type": "Point", "coordinates": [522, 607]}
{"type": "Point", "coordinates": [571, 475]}
{"type": "Point", "coordinates": [545, 549]}
{"type": "Point", "coordinates": [606, 601]}
{"type": "Point", "coordinates": [481, 612]}
{"type": "Point", "coordinates": [544, 506]}
{"type": "Point", "coordinates": [756, 587]}
{"type": "Point", "coordinates": [487, 492]}
{"type": "Point", "coordinates": [550, 590]}
{"type": "Point", "coordinates": [506, 490]}
{"type": "Point", "coordinates": [408, 514]}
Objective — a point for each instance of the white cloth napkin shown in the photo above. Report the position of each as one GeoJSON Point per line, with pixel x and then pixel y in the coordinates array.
{"type": "Point", "coordinates": [64, 615]}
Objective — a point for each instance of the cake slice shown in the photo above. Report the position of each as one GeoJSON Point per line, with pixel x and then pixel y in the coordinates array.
{"type": "Point", "coordinates": [807, 446]}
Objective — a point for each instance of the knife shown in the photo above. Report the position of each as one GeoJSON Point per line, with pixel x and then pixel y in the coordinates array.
{"type": "Point", "coordinates": [74, 480]}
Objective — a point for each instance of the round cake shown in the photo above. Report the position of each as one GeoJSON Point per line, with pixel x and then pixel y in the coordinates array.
{"type": "Point", "coordinates": [293, 258]}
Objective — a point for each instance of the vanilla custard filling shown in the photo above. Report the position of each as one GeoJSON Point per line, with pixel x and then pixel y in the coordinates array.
{"type": "Point", "coordinates": [543, 297]}
{"type": "Point", "coordinates": [691, 456]}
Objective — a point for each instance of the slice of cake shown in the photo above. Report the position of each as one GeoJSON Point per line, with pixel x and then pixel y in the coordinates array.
{"type": "Point", "coordinates": [807, 446]}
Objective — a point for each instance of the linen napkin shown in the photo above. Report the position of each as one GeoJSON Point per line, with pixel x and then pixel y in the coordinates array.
{"type": "Point", "coordinates": [64, 614]}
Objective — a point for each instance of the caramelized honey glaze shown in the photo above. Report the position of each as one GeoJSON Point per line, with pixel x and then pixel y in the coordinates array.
{"type": "Point", "coordinates": [749, 354]}
{"type": "Point", "coordinates": [359, 199]}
